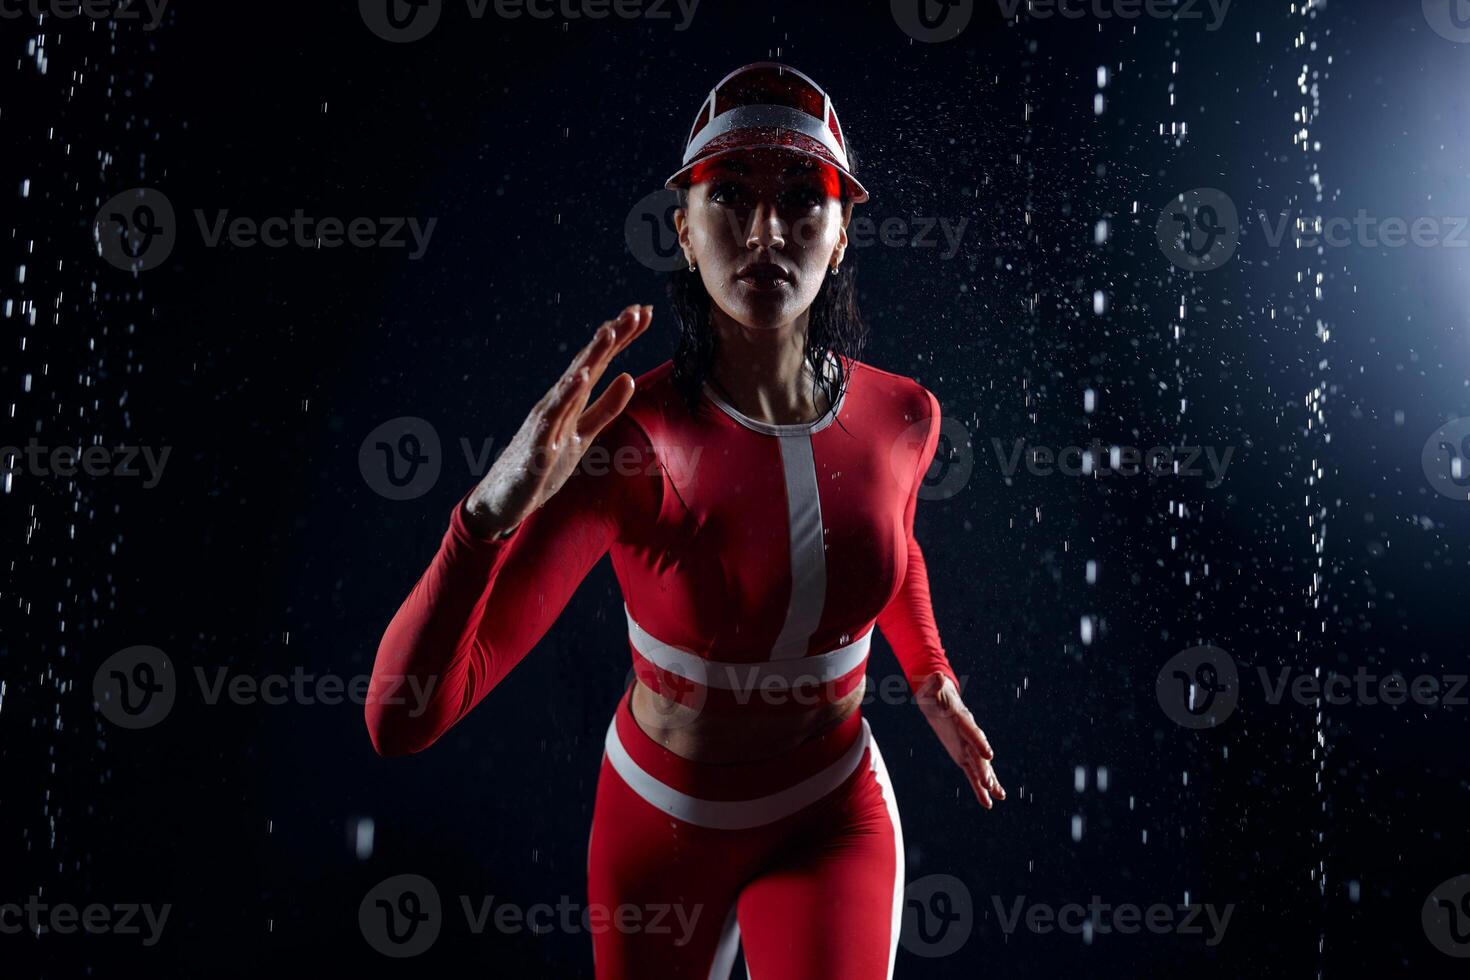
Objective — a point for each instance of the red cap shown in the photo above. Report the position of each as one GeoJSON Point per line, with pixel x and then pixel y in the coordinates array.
{"type": "Point", "coordinates": [767, 104]}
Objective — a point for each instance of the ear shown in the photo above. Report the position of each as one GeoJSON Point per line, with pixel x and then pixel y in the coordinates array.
{"type": "Point", "coordinates": [681, 230]}
{"type": "Point", "coordinates": [842, 234]}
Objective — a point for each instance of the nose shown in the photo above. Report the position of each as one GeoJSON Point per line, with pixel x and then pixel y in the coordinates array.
{"type": "Point", "coordinates": [766, 227]}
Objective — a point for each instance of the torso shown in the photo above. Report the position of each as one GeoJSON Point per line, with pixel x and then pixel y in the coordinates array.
{"type": "Point", "coordinates": [772, 543]}
{"type": "Point", "coordinates": [719, 739]}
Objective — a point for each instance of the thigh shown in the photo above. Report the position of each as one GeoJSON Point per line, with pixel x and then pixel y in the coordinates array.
{"type": "Point", "coordinates": [831, 906]}
{"type": "Point", "coordinates": [664, 889]}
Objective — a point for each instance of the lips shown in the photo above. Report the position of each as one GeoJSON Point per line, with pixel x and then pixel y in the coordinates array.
{"type": "Point", "coordinates": [764, 275]}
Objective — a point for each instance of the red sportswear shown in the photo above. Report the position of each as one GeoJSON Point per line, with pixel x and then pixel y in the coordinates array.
{"type": "Point", "coordinates": [754, 559]}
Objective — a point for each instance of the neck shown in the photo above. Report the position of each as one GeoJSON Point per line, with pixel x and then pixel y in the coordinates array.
{"type": "Point", "coordinates": [763, 372]}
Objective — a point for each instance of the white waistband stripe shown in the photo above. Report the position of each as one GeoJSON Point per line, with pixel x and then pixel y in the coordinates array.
{"type": "Point", "coordinates": [733, 814]}
{"type": "Point", "coordinates": [763, 675]}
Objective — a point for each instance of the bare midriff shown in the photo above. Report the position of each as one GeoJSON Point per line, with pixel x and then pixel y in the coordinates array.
{"type": "Point", "coordinates": [734, 737]}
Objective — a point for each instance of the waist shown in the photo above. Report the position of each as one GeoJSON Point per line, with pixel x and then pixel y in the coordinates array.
{"type": "Point", "coordinates": [738, 794]}
{"type": "Point", "coordinates": [791, 684]}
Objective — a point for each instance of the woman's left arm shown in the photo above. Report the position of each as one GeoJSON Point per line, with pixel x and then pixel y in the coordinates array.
{"type": "Point", "coordinates": [907, 622]}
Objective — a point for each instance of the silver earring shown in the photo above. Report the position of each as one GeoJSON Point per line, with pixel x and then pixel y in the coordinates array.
{"type": "Point", "coordinates": [691, 266]}
{"type": "Point", "coordinates": [834, 270]}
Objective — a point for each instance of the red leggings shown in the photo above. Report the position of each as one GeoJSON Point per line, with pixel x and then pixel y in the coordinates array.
{"type": "Point", "coordinates": [797, 860]}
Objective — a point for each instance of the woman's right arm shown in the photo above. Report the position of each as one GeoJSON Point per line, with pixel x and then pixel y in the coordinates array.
{"type": "Point", "coordinates": [517, 546]}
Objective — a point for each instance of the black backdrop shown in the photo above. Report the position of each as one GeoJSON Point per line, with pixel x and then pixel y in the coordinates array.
{"type": "Point", "coordinates": [267, 548]}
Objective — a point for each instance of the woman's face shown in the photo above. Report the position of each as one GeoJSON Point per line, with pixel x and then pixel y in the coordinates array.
{"type": "Point", "coordinates": [763, 228]}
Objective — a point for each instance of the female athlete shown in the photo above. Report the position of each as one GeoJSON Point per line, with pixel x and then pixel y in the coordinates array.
{"type": "Point", "coordinates": [756, 493]}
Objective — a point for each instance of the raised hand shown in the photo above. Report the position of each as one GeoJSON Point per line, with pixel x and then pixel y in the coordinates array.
{"type": "Point", "coordinates": [557, 432]}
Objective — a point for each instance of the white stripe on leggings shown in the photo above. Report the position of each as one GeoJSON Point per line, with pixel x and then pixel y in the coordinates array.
{"type": "Point", "coordinates": [880, 771]}
{"type": "Point", "coordinates": [724, 960]}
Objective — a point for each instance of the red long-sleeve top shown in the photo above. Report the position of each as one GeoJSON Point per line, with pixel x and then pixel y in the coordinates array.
{"type": "Point", "coordinates": [754, 560]}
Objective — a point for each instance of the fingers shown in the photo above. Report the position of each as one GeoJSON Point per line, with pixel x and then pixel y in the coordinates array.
{"type": "Point", "coordinates": [982, 777]}
{"type": "Point", "coordinates": [625, 329]}
{"type": "Point", "coordinates": [978, 781]}
{"type": "Point", "coordinates": [610, 338]}
{"type": "Point", "coordinates": [567, 398]}
{"type": "Point", "coordinates": [977, 736]}
{"type": "Point", "coordinates": [607, 407]}
{"type": "Point", "coordinates": [992, 783]}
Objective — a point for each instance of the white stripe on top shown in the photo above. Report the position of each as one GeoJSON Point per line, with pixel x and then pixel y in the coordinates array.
{"type": "Point", "coordinates": [807, 545]}
{"type": "Point", "coordinates": [760, 676]}
{"type": "Point", "coordinates": [808, 549]}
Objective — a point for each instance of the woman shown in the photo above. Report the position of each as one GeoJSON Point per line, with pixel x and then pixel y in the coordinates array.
{"type": "Point", "coordinates": [757, 495]}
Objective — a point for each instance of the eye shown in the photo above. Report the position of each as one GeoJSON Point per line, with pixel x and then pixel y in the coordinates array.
{"type": "Point", "coordinates": [726, 192]}
{"type": "Point", "coordinates": [805, 196]}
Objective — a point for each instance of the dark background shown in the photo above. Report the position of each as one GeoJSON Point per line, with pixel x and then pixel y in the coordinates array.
{"type": "Point", "coordinates": [265, 548]}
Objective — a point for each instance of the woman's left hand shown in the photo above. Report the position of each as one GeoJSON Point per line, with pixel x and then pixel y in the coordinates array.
{"type": "Point", "coordinates": [966, 744]}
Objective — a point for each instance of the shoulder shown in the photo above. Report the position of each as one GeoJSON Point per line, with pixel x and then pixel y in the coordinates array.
{"type": "Point", "coordinates": [645, 421]}
{"type": "Point", "coordinates": [894, 392]}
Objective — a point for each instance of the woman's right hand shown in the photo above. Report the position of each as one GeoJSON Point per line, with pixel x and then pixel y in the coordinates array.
{"type": "Point", "coordinates": [551, 442]}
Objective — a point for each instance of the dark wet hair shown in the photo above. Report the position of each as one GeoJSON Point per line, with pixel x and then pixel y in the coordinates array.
{"type": "Point", "coordinates": [834, 325]}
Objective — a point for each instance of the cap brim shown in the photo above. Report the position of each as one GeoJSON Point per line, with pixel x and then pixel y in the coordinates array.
{"type": "Point", "coordinates": [680, 178]}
